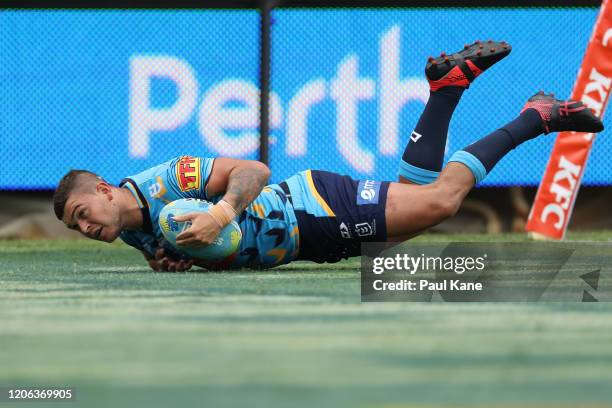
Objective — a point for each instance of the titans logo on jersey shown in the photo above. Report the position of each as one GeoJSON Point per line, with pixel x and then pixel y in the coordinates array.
{"type": "Point", "coordinates": [270, 234]}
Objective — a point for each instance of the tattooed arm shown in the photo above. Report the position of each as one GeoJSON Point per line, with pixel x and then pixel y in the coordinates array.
{"type": "Point", "coordinates": [240, 182]}
{"type": "Point", "coordinates": [245, 181]}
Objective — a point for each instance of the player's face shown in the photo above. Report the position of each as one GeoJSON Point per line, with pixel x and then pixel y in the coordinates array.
{"type": "Point", "coordinates": [93, 215]}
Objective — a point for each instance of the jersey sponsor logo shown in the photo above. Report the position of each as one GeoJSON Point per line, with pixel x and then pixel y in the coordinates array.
{"type": "Point", "coordinates": [188, 173]}
{"type": "Point", "coordinates": [365, 229]}
{"type": "Point", "coordinates": [367, 192]}
{"type": "Point", "coordinates": [344, 231]}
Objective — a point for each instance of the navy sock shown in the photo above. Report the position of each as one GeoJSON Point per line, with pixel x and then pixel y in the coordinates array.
{"type": "Point", "coordinates": [424, 155]}
{"type": "Point", "coordinates": [480, 157]}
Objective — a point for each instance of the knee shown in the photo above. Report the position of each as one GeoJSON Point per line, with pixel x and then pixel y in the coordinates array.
{"type": "Point", "coordinates": [445, 209]}
{"type": "Point", "coordinates": [447, 205]}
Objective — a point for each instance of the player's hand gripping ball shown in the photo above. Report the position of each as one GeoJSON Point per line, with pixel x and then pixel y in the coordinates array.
{"type": "Point", "coordinates": [226, 243]}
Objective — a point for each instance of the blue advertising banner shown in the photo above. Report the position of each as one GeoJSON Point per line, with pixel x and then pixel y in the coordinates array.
{"type": "Point", "coordinates": [353, 87]}
{"type": "Point", "coordinates": [117, 92]}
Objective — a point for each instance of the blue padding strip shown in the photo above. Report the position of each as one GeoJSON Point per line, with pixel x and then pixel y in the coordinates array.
{"type": "Point", "coordinates": [416, 174]}
{"type": "Point", "coordinates": [472, 163]}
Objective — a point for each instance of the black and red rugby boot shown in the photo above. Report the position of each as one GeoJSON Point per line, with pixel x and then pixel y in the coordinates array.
{"type": "Point", "coordinates": [560, 115]}
{"type": "Point", "coordinates": [461, 68]}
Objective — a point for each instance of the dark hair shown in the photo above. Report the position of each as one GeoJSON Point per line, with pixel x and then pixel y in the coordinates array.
{"type": "Point", "coordinates": [73, 180]}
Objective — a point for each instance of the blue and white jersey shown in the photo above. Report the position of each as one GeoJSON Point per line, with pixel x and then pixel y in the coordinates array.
{"type": "Point", "coordinates": [270, 233]}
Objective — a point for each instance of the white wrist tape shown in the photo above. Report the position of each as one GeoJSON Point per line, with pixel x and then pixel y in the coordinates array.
{"type": "Point", "coordinates": [223, 213]}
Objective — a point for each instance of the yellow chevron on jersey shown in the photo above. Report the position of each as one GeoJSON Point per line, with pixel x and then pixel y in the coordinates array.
{"type": "Point", "coordinates": [259, 210]}
{"type": "Point", "coordinates": [278, 254]}
{"type": "Point", "coordinates": [295, 234]}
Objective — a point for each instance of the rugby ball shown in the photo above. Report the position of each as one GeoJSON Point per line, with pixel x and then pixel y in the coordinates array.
{"type": "Point", "coordinates": [226, 243]}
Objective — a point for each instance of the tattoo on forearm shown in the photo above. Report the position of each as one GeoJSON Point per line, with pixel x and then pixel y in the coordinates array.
{"type": "Point", "coordinates": [243, 186]}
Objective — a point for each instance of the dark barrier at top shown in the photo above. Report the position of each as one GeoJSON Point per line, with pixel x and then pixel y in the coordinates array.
{"type": "Point", "coordinates": [117, 92]}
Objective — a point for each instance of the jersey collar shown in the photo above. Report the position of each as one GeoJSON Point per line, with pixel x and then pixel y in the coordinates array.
{"type": "Point", "coordinates": [142, 203]}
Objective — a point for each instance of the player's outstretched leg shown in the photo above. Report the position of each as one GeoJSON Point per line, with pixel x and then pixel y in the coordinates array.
{"type": "Point", "coordinates": [411, 209]}
{"type": "Point", "coordinates": [542, 114]}
{"type": "Point", "coordinates": [448, 77]}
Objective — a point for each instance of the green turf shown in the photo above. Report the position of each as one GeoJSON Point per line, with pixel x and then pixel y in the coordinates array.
{"type": "Point", "coordinates": [91, 316]}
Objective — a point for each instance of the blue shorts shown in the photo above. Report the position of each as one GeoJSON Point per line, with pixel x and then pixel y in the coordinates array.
{"type": "Point", "coordinates": [353, 212]}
